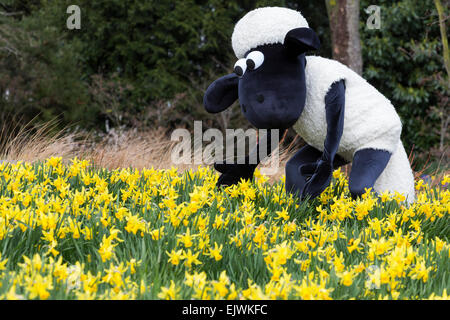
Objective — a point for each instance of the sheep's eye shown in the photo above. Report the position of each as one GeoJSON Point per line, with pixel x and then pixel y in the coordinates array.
{"type": "Point", "coordinates": [254, 60]}
{"type": "Point", "coordinates": [239, 67]}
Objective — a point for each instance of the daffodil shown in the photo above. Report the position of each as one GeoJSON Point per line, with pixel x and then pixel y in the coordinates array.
{"type": "Point", "coordinates": [215, 253]}
{"type": "Point", "coordinates": [169, 293]}
{"type": "Point", "coordinates": [174, 256]}
{"type": "Point", "coordinates": [190, 258]}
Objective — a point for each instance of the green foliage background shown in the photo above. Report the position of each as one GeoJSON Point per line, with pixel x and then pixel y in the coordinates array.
{"type": "Point", "coordinates": [147, 63]}
{"type": "Point", "coordinates": [404, 61]}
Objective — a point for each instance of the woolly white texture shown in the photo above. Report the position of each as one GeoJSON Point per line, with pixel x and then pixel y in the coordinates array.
{"type": "Point", "coordinates": [370, 121]}
{"type": "Point", "coordinates": [266, 25]}
{"type": "Point", "coordinates": [397, 176]}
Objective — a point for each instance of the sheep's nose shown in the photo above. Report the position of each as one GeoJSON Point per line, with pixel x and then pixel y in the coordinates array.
{"type": "Point", "coordinates": [260, 98]}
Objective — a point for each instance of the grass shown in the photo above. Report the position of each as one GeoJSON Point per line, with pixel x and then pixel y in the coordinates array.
{"type": "Point", "coordinates": [77, 231]}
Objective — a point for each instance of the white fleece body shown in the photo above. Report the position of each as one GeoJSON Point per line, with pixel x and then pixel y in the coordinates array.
{"type": "Point", "coordinates": [370, 121]}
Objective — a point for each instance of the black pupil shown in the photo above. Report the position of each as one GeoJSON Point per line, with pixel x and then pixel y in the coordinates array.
{"type": "Point", "coordinates": [250, 64]}
{"type": "Point", "coordinates": [238, 70]}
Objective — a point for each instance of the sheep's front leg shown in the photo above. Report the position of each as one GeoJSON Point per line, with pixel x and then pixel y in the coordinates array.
{"type": "Point", "coordinates": [297, 174]}
{"type": "Point", "coordinates": [295, 181]}
{"type": "Point", "coordinates": [322, 170]}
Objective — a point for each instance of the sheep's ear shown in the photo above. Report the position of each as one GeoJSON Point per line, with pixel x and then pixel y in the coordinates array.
{"type": "Point", "coordinates": [300, 40]}
{"type": "Point", "coordinates": [221, 93]}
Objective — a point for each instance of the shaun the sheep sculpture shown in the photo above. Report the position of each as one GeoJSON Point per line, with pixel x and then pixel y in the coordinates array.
{"type": "Point", "coordinates": [340, 116]}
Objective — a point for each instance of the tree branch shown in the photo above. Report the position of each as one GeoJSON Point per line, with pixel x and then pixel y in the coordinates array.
{"type": "Point", "coordinates": [9, 14]}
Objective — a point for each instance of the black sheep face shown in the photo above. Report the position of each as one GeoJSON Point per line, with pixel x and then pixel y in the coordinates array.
{"type": "Point", "coordinates": [272, 89]}
{"type": "Point", "coordinates": [269, 82]}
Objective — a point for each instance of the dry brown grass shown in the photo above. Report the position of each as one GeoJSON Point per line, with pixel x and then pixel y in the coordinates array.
{"type": "Point", "coordinates": [130, 149]}
{"type": "Point", "coordinates": [36, 144]}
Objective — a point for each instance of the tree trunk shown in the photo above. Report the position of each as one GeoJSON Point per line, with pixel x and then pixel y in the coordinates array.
{"type": "Point", "coordinates": [344, 25]}
{"type": "Point", "coordinates": [446, 54]}
{"type": "Point", "coordinates": [445, 117]}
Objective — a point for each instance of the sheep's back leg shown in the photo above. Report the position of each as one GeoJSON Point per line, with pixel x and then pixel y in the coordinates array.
{"type": "Point", "coordinates": [367, 166]}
